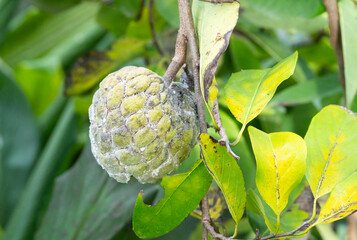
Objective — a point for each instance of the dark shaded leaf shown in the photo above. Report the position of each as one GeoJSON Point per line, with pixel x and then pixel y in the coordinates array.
{"type": "Point", "coordinates": [19, 143]}
{"type": "Point", "coordinates": [94, 66]}
{"type": "Point", "coordinates": [88, 204]}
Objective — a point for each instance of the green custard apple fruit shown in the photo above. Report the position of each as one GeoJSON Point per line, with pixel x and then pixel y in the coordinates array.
{"type": "Point", "coordinates": [140, 127]}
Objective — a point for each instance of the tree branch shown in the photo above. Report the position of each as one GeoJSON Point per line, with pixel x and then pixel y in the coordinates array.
{"type": "Point", "coordinates": [335, 36]}
{"type": "Point", "coordinates": [179, 59]}
{"type": "Point", "coordinates": [152, 27]}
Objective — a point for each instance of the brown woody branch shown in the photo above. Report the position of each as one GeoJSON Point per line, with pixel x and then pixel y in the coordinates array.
{"type": "Point", "coordinates": [152, 27]}
{"type": "Point", "coordinates": [335, 36]}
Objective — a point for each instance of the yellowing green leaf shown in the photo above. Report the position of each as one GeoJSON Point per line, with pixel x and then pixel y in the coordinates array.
{"type": "Point", "coordinates": [331, 142]}
{"type": "Point", "coordinates": [281, 164]}
{"type": "Point", "coordinates": [92, 68]}
{"type": "Point", "coordinates": [214, 25]}
{"type": "Point", "coordinates": [342, 201]}
{"type": "Point", "coordinates": [227, 174]}
{"type": "Point", "coordinates": [248, 92]}
{"type": "Point", "coordinates": [183, 192]}
{"type": "Point", "coordinates": [213, 92]}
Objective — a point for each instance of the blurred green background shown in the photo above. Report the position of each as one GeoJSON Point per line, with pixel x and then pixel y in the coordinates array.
{"type": "Point", "coordinates": [54, 53]}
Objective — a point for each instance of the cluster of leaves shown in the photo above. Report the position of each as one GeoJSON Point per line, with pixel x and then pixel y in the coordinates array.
{"type": "Point", "coordinates": [50, 185]}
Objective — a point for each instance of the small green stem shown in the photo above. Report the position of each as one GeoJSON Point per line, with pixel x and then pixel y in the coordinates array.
{"type": "Point", "coordinates": [313, 211]}
{"type": "Point", "coordinates": [239, 135]}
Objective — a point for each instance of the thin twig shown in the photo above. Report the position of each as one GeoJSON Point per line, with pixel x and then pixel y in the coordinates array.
{"type": "Point", "coordinates": [179, 59]}
{"type": "Point", "coordinates": [152, 27]}
{"type": "Point", "coordinates": [335, 36]}
{"type": "Point", "coordinates": [141, 8]}
{"type": "Point", "coordinates": [222, 131]}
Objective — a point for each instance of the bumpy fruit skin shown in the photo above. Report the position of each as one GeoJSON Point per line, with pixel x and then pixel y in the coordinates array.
{"type": "Point", "coordinates": [139, 127]}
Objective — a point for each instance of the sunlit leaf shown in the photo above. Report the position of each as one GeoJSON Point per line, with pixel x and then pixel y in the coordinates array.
{"type": "Point", "coordinates": [248, 92]}
{"type": "Point", "coordinates": [88, 204]}
{"type": "Point", "coordinates": [281, 165]}
{"type": "Point", "coordinates": [348, 13]}
{"type": "Point", "coordinates": [226, 173]}
{"type": "Point", "coordinates": [40, 80]}
{"type": "Point", "coordinates": [331, 142]}
{"type": "Point", "coordinates": [93, 67]}
{"type": "Point", "coordinates": [214, 25]}
{"type": "Point", "coordinates": [183, 192]}
{"type": "Point", "coordinates": [213, 92]}
{"type": "Point", "coordinates": [342, 201]}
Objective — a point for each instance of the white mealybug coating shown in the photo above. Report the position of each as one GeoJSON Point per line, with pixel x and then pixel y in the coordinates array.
{"type": "Point", "coordinates": [139, 127]}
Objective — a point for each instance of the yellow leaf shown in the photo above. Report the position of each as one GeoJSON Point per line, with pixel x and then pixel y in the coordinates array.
{"type": "Point", "coordinates": [342, 201]}
{"type": "Point", "coordinates": [331, 142]}
{"type": "Point", "coordinates": [248, 92]}
{"type": "Point", "coordinates": [226, 173]}
{"type": "Point", "coordinates": [281, 165]}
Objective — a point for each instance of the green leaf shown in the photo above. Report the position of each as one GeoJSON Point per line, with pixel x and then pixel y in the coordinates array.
{"type": "Point", "coordinates": [348, 13]}
{"type": "Point", "coordinates": [281, 165]}
{"type": "Point", "coordinates": [26, 210]}
{"type": "Point", "coordinates": [226, 173]}
{"type": "Point", "coordinates": [55, 6]}
{"type": "Point", "coordinates": [40, 80]}
{"type": "Point", "coordinates": [19, 143]}
{"type": "Point", "coordinates": [308, 91]}
{"type": "Point", "coordinates": [214, 24]}
{"type": "Point", "coordinates": [244, 54]}
{"type": "Point", "coordinates": [342, 201]}
{"type": "Point", "coordinates": [49, 33]}
{"type": "Point", "coordinates": [255, 205]}
{"type": "Point", "coordinates": [100, 208]}
{"type": "Point", "coordinates": [7, 8]}
{"type": "Point", "coordinates": [247, 164]}
{"type": "Point", "coordinates": [277, 49]}
{"type": "Point", "coordinates": [93, 67]}
{"type": "Point", "coordinates": [183, 192]}
{"type": "Point", "coordinates": [271, 14]}
{"type": "Point", "coordinates": [247, 92]}
{"type": "Point", "coordinates": [169, 11]}
{"type": "Point", "coordinates": [287, 8]}
{"type": "Point", "coordinates": [109, 16]}
{"type": "Point", "coordinates": [331, 148]}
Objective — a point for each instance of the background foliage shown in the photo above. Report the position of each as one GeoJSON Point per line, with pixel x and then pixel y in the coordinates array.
{"type": "Point", "coordinates": [53, 55]}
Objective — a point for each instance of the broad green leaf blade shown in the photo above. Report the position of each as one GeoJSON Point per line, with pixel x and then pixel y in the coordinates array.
{"type": "Point", "coordinates": [169, 11]}
{"type": "Point", "coordinates": [183, 192]}
{"type": "Point", "coordinates": [92, 68]}
{"type": "Point", "coordinates": [227, 174]}
{"type": "Point", "coordinates": [342, 201]}
{"type": "Point", "coordinates": [48, 33]}
{"type": "Point", "coordinates": [19, 225]}
{"type": "Point", "coordinates": [331, 142]}
{"type": "Point", "coordinates": [255, 205]}
{"type": "Point", "coordinates": [87, 204]}
{"type": "Point", "coordinates": [308, 91]}
{"type": "Point", "coordinates": [281, 165]}
{"type": "Point", "coordinates": [19, 143]}
{"type": "Point", "coordinates": [248, 92]}
{"type": "Point", "coordinates": [214, 24]}
{"type": "Point", "coordinates": [286, 8]}
{"type": "Point", "coordinates": [7, 8]}
{"type": "Point", "coordinates": [348, 14]}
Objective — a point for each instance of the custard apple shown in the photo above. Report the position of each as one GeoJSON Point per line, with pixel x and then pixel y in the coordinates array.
{"type": "Point", "coordinates": [140, 127]}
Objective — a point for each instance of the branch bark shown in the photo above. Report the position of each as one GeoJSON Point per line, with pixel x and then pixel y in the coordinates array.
{"type": "Point", "coordinates": [152, 27]}
{"type": "Point", "coordinates": [335, 36]}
